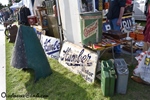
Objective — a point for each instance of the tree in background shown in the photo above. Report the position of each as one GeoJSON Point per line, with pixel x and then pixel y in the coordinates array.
{"type": "Point", "coordinates": [1, 6]}
{"type": "Point", "coordinates": [11, 1]}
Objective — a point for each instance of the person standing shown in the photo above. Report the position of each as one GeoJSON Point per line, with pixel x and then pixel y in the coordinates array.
{"type": "Point", "coordinates": [146, 31]}
{"type": "Point", "coordinates": [114, 17]}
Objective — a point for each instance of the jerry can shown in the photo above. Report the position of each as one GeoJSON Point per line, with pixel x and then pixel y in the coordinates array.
{"type": "Point", "coordinates": [122, 75]}
{"type": "Point", "coordinates": [108, 76]}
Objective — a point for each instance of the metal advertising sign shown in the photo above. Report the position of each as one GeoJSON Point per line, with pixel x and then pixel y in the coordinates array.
{"type": "Point", "coordinates": [51, 46]}
{"type": "Point", "coordinates": [126, 22]}
{"type": "Point", "coordinates": [90, 30]}
{"type": "Point", "coordinates": [79, 60]}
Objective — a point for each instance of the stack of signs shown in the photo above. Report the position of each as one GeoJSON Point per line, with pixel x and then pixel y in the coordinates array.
{"type": "Point", "coordinates": [51, 46]}
{"type": "Point", "coordinates": [79, 60]}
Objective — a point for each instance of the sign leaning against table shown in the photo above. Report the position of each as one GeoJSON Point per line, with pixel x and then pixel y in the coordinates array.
{"type": "Point", "coordinates": [126, 22]}
{"type": "Point", "coordinates": [51, 46]}
{"type": "Point", "coordinates": [79, 60]}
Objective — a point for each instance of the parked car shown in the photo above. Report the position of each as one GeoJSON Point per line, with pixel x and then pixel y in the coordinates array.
{"type": "Point", "coordinates": [139, 9]}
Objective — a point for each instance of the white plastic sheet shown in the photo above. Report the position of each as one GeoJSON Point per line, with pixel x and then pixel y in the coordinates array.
{"type": "Point", "coordinates": [143, 68]}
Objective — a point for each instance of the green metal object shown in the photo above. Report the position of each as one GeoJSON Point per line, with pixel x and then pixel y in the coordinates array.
{"type": "Point", "coordinates": [91, 27]}
{"type": "Point", "coordinates": [28, 53]}
{"type": "Point", "coordinates": [108, 76]}
{"type": "Point", "coordinates": [36, 58]}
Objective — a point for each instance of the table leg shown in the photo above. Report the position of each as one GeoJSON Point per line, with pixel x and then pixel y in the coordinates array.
{"type": "Point", "coordinates": [131, 52]}
{"type": "Point", "coordinates": [113, 52]}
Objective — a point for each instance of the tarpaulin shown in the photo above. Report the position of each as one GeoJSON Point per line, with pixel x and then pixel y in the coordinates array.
{"type": "Point", "coordinates": [28, 53]}
{"type": "Point", "coordinates": [142, 70]}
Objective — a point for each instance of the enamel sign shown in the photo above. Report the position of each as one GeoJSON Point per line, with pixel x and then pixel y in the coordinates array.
{"type": "Point", "coordinates": [126, 22]}
{"type": "Point", "coordinates": [79, 60]}
{"type": "Point", "coordinates": [90, 29]}
{"type": "Point", "coordinates": [51, 46]}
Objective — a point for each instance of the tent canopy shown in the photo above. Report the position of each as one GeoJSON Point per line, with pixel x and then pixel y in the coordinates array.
{"type": "Point", "coordinates": [27, 3]}
{"type": "Point", "coordinates": [16, 5]}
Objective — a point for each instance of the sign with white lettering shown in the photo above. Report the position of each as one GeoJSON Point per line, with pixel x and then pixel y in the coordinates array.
{"type": "Point", "coordinates": [126, 22]}
{"type": "Point", "coordinates": [51, 46]}
{"type": "Point", "coordinates": [79, 60]}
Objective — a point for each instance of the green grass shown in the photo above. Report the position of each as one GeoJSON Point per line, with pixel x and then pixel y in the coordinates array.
{"type": "Point", "coordinates": [63, 84]}
{"type": "Point", "coordinates": [141, 22]}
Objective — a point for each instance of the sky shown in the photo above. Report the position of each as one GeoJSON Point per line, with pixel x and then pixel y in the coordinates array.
{"type": "Point", "coordinates": [4, 2]}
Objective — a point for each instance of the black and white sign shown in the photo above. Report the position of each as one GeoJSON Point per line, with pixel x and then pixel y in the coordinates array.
{"type": "Point", "coordinates": [51, 46]}
{"type": "Point", "coordinates": [79, 60]}
{"type": "Point", "coordinates": [126, 22]}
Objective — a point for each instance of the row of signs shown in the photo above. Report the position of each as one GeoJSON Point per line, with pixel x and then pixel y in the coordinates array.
{"type": "Point", "coordinates": [76, 58]}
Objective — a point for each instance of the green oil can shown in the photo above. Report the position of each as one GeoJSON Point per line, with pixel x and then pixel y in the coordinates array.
{"type": "Point", "coordinates": [108, 76]}
{"type": "Point", "coordinates": [91, 27]}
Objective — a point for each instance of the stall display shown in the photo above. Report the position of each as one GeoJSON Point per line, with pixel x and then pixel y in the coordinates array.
{"type": "Point", "coordinates": [115, 34]}
{"type": "Point", "coordinates": [82, 23]}
{"type": "Point", "coordinates": [41, 13]}
{"type": "Point", "coordinates": [32, 20]}
{"type": "Point", "coordinates": [91, 27]}
{"type": "Point", "coordinates": [104, 44]}
{"type": "Point", "coordinates": [136, 34]}
{"type": "Point", "coordinates": [49, 6]}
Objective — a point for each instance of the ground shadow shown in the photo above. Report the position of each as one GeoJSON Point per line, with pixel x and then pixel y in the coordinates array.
{"type": "Point", "coordinates": [135, 91]}
{"type": "Point", "coordinates": [55, 87]}
{"type": "Point", "coordinates": [127, 57]}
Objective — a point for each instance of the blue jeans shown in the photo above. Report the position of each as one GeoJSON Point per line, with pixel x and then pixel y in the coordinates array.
{"type": "Point", "coordinates": [114, 26]}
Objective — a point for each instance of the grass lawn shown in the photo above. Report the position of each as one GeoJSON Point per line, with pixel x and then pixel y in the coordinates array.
{"type": "Point", "coordinates": [141, 22]}
{"type": "Point", "coordinates": [63, 84]}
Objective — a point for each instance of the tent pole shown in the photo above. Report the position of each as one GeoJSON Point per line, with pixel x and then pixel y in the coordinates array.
{"type": "Point", "coordinates": [59, 23]}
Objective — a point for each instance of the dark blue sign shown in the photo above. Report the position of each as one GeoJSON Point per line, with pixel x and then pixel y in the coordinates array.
{"type": "Point", "coordinates": [126, 22]}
